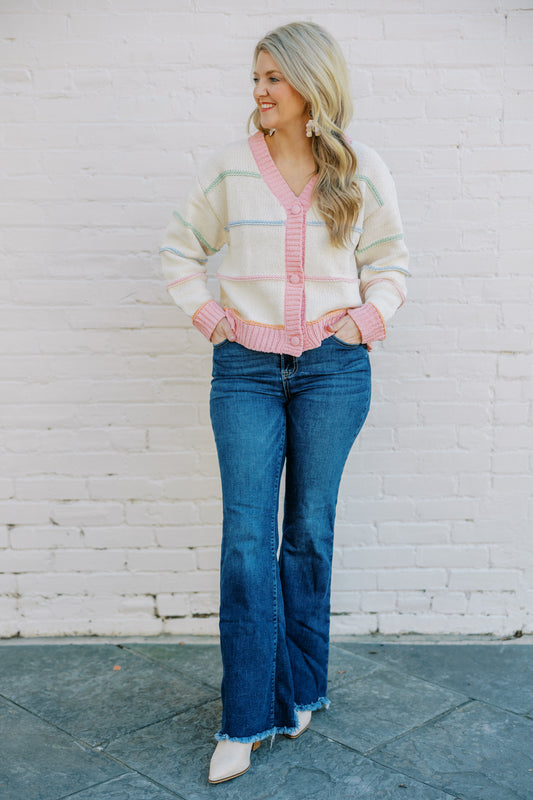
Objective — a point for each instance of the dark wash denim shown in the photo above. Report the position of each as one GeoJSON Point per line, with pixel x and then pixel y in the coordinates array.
{"type": "Point", "coordinates": [268, 410]}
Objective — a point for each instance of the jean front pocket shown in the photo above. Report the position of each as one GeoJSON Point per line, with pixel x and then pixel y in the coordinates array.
{"type": "Point", "coordinates": [349, 345]}
{"type": "Point", "coordinates": [220, 344]}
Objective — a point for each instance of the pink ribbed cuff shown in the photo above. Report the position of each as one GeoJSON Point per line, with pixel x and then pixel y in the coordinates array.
{"type": "Point", "coordinates": [369, 321]}
{"type": "Point", "coordinates": [207, 317]}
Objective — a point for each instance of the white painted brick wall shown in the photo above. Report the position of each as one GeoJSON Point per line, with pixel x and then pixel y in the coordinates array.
{"type": "Point", "coordinates": [109, 492]}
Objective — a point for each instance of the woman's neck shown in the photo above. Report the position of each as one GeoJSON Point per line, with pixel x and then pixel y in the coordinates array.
{"type": "Point", "coordinates": [290, 146]}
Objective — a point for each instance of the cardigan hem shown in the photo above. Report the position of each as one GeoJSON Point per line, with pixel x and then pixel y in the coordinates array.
{"type": "Point", "coordinates": [274, 339]}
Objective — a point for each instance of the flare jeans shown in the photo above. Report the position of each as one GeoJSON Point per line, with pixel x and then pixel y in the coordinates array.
{"type": "Point", "coordinates": [269, 410]}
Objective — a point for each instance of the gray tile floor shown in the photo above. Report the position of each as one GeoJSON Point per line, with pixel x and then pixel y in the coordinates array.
{"type": "Point", "coordinates": [411, 718]}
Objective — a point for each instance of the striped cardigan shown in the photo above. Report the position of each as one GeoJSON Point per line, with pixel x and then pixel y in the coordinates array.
{"type": "Point", "coordinates": [281, 280]}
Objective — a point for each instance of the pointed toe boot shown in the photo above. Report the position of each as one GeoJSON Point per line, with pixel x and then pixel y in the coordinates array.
{"type": "Point", "coordinates": [230, 760]}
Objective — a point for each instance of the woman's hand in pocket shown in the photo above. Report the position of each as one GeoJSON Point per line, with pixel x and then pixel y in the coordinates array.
{"type": "Point", "coordinates": [346, 329]}
{"type": "Point", "coordinates": [222, 331]}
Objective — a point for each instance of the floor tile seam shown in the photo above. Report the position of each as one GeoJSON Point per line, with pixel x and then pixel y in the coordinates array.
{"type": "Point", "coordinates": [100, 745]}
{"type": "Point", "coordinates": [443, 789]}
{"type": "Point", "coordinates": [404, 673]}
{"type": "Point", "coordinates": [48, 722]}
{"type": "Point", "coordinates": [468, 698]}
{"type": "Point", "coordinates": [94, 748]}
{"type": "Point", "coordinates": [346, 681]}
{"type": "Point", "coordinates": [435, 683]}
{"type": "Point", "coordinates": [393, 668]}
{"type": "Point", "coordinates": [151, 780]}
{"type": "Point", "coordinates": [367, 753]}
{"type": "Point", "coordinates": [169, 669]}
{"type": "Point", "coordinates": [191, 639]}
{"type": "Point", "coordinates": [441, 639]}
{"type": "Point", "coordinates": [410, 731]}
{"type": "Point", "coordinates": [490, 704]}
{"type": "Point", "coordinates": [345, 650]}
{"type": "Point", "coordinates": [129, 771]}
{"type": "Point", "coordinates": [429, 682]}
{"type": "Point", "coordinates": [367, 757]}
{"type": "Point", "coordinates": [109, 742]}
{"type": "Point", "coordinates": [92, 786]}
{"type": "Point", "coordinates": [418, 780]}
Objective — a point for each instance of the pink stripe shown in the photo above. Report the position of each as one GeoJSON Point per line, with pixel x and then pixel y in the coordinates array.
{"type": "Point", "coordinates": [338, 280]}
{"type": "Point", "coordinates": [251, 277]}
{"type": "Point", "coordinates": [389, 280]}
{"type": "Point", "coordinates": [187, 278]}
{"type": "Point", "coordinates": [282, 278]}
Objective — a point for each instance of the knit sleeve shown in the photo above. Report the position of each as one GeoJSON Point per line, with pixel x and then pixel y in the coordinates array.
{"type": "Point", "coordinates": [194, 233]}
{"type": "Point", "coordinates": [381, 255]}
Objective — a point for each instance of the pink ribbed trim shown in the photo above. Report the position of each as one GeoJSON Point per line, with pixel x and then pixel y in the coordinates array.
{"type": "Point", "coordinates": [277, 340]}
{"type": "Point", "coordinates": [207, 317]}
{"type": "Point", "coordinates": [369, 321]}
{"type": "Point", "coordinates": [296, 207]}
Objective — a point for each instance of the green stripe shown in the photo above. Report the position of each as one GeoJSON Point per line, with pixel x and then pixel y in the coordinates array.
{"type": "Point", "coordinates": [227, 172]}
{"type": "Point", "coordinates": [195, 231]}
{"type": "Point", "coordinates": [371, 186]}
{"type": "Point", "coordinates": [380, 241]}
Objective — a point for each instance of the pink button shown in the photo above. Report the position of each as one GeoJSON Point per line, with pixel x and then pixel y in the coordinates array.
{"type": "Point", "coordinates": [295, 278]}
{"type": "Point", "coordinates": [295, 340]}
{"type": "Point", "coordinates": [297, 207]}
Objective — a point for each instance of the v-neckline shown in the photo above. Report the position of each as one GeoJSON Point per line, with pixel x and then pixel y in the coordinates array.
{"type": "Point", "coordinates": [273, 177]}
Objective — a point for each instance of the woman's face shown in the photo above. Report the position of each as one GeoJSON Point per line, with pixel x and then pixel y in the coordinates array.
{"type": "Point", "coordinates": [281, 106]}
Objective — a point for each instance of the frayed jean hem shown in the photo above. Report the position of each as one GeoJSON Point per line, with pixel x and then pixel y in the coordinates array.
{"type": "Point", "coordinates": [220, 737]}
{"type": "Point", "coordinates": [322, 701]}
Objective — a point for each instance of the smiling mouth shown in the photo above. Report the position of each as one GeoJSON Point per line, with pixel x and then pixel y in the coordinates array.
{"type": "Point", "coordinates": [266, 106]}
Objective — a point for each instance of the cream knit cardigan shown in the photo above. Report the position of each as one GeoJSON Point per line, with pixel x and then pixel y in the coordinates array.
{"type": "Point", "coordinates": [281, 281]}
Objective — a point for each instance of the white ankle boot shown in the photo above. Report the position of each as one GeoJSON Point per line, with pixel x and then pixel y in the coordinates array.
{"type": "Point", "coordinates": [230, 760]}
{"type": "Point", "coordinates": [303, 719]}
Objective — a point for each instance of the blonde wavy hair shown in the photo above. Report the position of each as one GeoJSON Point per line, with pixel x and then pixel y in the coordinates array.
{"type": "Point", "coordinates": [313, 63]}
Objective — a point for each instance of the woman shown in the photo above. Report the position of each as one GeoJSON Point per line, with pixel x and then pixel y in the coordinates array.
{"type": "Point", "coordinates": [315, 265]}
